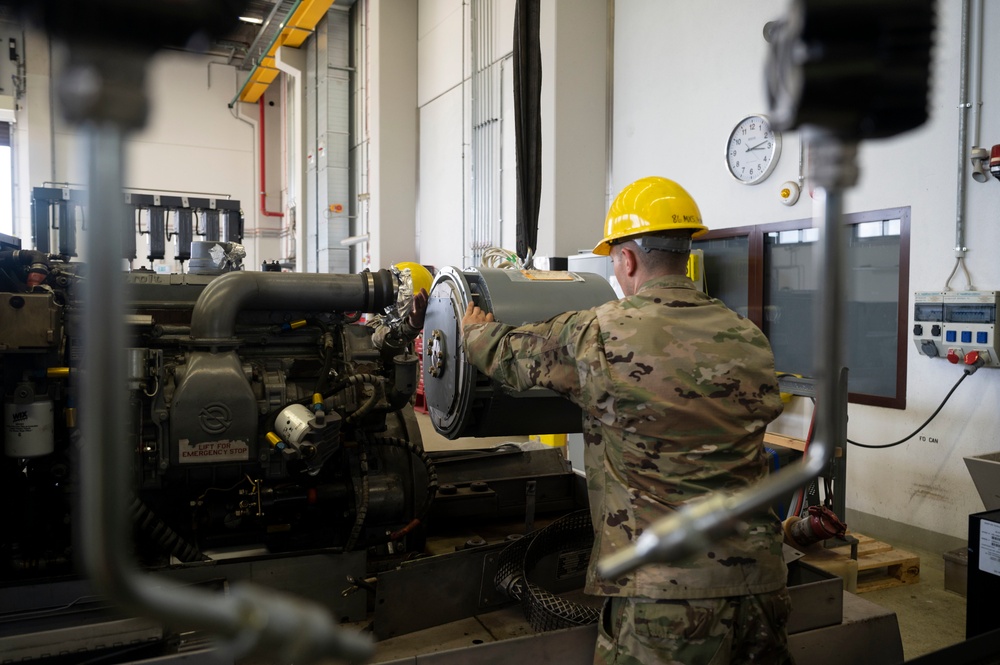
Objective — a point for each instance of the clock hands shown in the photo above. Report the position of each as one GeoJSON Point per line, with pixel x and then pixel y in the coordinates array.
{"type": "Point", "coordinates": [753, 149]}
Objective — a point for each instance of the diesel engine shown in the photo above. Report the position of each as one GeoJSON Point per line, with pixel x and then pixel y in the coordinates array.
{"type": "Point", "coordinates": [264, 415]}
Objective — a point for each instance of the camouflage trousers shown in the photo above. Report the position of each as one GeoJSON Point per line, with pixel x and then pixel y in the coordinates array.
{"type": "Point", "coordinates": [710, 631]}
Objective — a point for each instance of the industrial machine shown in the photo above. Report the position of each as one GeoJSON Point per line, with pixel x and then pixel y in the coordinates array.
{"type": "Point", "coordinates": [462, 402]}
{"type": "Point", "coordinates": [272, 439]}
{"type": "Point", "coordinates": [260, 414]}
{"type": "Point", "coordinates": [270, 430]}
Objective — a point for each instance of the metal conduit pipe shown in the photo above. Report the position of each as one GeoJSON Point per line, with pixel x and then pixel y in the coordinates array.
{"type": "Point", "coordinates": [963, 131]}
{"type": "Point", "coordinates": [977, 79]}
{"type": "Point", "coordinates": [214, 314]}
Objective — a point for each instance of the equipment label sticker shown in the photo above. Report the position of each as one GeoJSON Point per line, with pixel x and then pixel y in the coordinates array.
{"type": "Point", "coordinates": [212, 451]}
{"type": "Point", "coordinates": [989, 547]}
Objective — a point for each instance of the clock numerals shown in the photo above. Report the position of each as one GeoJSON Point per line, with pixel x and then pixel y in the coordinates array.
{"type": "Point", "coordinates": [752, 150]}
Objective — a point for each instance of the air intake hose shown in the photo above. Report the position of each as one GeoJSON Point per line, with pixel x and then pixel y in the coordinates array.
{"type": "Point", "coordinates": [214, 316]}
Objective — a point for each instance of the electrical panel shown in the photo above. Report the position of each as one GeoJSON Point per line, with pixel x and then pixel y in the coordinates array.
{"type": "Point", "coordinates": [959, 326]}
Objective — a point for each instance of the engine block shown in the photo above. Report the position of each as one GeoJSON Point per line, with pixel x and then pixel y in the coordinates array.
{"type": "Point", "coordinates": [263, 414]}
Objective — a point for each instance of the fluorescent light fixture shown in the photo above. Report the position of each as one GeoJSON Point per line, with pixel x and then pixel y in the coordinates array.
{"type": "Point", "coordinates": [251, 19]}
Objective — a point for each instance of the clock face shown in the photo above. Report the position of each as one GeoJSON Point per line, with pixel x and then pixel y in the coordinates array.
{"type": "Point", "coordinates": [753, 150]}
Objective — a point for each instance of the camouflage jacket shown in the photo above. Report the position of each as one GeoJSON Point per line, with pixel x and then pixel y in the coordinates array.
{"type": "Point", "coordinates": [676, 391]}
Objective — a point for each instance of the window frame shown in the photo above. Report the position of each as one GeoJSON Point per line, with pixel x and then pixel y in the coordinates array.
{"type": "Point", "coordinates": [755, 284]}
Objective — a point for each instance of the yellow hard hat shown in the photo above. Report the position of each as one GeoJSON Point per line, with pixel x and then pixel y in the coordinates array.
{"type": "Point", "coordinates": [649, 205]}
{"type": "Point", "coordinates": [420, 275]}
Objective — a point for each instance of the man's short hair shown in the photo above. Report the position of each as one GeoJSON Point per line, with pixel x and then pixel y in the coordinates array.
{"type": "Point", "coordinates": [672, 259]}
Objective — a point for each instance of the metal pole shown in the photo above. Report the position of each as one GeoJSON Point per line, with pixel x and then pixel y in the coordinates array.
{"type": "Point", "coordinates": [963, 132]}
{"type": "Point", "coordinates": [105, 468]}
{"type": "Point", "coordinates": [835, 170]}
{"type": "Point", "coordinates": [252, 618]}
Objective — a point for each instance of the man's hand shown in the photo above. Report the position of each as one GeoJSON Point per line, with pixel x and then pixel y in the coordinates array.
{"type": "Point", "coordinates": [475, 315]}
{"type": "Point", "coordinates": [418, 309]}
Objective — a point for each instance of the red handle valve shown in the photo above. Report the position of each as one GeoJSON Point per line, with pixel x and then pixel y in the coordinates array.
{"type": "Point", "coordinates": [973, 360]}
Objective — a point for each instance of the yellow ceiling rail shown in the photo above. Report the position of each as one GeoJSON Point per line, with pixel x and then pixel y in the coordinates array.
{"type": "Point", "coordinates": [300, 23]}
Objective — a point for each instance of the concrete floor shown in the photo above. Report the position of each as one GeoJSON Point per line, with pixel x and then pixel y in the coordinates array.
{"type": "Point", "coordinates": [434, 441]}
{"type": "Point", "coordinates": [930, 617]}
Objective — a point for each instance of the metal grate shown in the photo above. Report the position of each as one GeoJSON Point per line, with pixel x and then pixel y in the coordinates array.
{"type": "Point", "coordinates": [269, 30]}
{"type": "Point", "coordinates": [487, 145]}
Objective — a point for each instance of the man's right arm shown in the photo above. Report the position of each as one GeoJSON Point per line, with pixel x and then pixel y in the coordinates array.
{"type": "Point", "coordinates": [548, 354]}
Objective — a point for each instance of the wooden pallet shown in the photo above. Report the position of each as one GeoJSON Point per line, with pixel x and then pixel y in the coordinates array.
{"type": "Point", "coordinates": [879, 565]}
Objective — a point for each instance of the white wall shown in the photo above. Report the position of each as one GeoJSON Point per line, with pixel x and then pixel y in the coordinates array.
{"type": "Point", "coordinates": [684, 74]}
{"type": "Point", "coordinates": [443, 107]}
{"type": "Point", "coordinates": [394, 134]}
{"type": "Point", "coordinates": [34, 157]}
{"type": "Point", "coordinates": [192, 143]}
{"type": "Point", "coordinates": [8, 91]}
{"type": "Point", "coordinates": [573, 109]}
{"type": "Point", "coordinates": [574, 125]}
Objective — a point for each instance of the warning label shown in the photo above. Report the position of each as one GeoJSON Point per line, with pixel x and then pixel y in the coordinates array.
{"type": "Point", "coordinates": [212, 451]}
{"type": "Point", "coordinates": [989, 547]}
{"type": "Point", "coordinates": [19, 423]}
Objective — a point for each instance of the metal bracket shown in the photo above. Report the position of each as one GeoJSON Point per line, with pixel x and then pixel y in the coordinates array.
{"type": "Point", "coordinates": [435, 354]}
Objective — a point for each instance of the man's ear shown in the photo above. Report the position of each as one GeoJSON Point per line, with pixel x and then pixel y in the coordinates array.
{"type": "Point", "coordinates": [631, 261]}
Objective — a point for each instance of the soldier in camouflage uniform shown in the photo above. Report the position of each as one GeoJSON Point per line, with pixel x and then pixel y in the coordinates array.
{"type": "Point", "coordinates": [676, 391]}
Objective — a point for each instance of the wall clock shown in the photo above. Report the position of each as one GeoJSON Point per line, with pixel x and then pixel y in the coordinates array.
{"type": "Point", "coordinates": [753, 149]}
